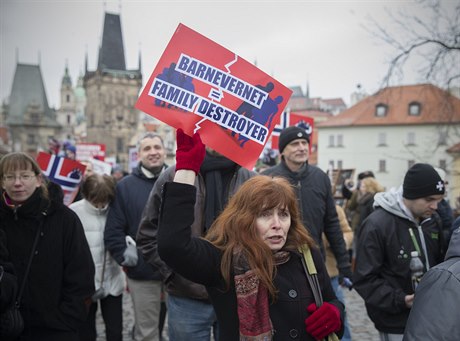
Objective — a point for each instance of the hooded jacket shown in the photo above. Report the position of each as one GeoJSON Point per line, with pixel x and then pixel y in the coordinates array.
{"type": "Point", "coordinates": [382, 275]}
{"type": "Point", "coordinates": [435, 314]}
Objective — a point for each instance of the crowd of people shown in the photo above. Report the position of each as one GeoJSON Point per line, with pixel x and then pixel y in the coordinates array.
{"type": "Point", "coordinates": [210, 250]}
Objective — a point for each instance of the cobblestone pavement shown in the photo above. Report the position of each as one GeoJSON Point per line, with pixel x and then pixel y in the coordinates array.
{"type": "Point", "coordinates": [362, 329]}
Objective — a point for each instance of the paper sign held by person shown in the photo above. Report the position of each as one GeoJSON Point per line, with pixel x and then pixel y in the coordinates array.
{"type": "Point", "coordinates": [199, 85]}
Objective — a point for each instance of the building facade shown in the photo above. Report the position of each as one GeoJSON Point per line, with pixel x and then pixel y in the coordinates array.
{"type": "Point", "coordinates": [391, 130]}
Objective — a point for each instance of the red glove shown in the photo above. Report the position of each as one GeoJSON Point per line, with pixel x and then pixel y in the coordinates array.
{"type": "Point", "coordinates": [190, 151]}
{"type": "Point", "coordinates": [323, 320]}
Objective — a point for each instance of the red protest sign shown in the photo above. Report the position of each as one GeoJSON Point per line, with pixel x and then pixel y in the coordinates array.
{"type": "Point", "coordinates": [199, 85]}
{"type": "Point", "coordinates": [86, 151]}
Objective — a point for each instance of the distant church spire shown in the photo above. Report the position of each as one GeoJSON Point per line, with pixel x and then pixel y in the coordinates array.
{"type": "Point", "coordinates": [66, 80]}
{"type": "Point", "coordinates": [111, 53]}
{"type": "Point", "coordinates": [86, 62]}
{"type": "Point", "coordinates": [307, 93]}
{"type": "Point", "coordinates": [140, 61]}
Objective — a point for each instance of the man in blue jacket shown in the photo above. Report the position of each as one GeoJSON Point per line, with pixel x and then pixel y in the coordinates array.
{"type": "Point", "coordinates": [132, 192]}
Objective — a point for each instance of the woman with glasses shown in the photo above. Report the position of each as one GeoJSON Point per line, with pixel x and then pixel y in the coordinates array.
{"type": "Point", "coordinates": [43, 232]}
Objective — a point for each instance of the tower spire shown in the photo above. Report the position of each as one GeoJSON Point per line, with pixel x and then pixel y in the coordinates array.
{"type": "Point", "coordinates": [307, 92]}
{"type": "Point", "coordinates": [140, 61]}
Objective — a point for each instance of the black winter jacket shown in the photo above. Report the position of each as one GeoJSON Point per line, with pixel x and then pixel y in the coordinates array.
{"type": "Point", "coordinates": [317, 207]}
{"type": "Point", "coordinates": [382, 275]}
{"type": "Point", "coordinates": [123, 219]}
{"type": "Point", "coordinates": [61, 277]}
{"type": "Point", "coordinates": [199, 261]}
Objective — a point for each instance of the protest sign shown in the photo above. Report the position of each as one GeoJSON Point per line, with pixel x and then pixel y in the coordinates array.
{"type": "Point", "coordinates": [101, 167]}
{"type": "Point", "coordinates": [86, 151]}
{"type": "Point", "coordinates": [65, 172]}
{"type": "Point", "coordinates": [198, 85]}
{"type": "Point", "coordinates": [133, 158]}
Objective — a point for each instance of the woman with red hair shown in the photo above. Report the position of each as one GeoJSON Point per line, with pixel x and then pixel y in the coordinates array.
{"type": "Point", "coordinates": [249, 260]}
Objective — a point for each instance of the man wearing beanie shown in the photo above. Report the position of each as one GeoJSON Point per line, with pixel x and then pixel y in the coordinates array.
{"type": "Point", "coordinates": [403, 221]}
{"type": "Point", "coordinates": [314, 193]}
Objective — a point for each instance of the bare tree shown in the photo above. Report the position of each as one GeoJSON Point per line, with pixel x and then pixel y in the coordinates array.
{"type": "Point", "coordinates": [430, 32]}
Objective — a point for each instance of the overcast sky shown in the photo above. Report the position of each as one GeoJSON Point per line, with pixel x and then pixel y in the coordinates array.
{"type": "Point", "coordinates": [322, 42]}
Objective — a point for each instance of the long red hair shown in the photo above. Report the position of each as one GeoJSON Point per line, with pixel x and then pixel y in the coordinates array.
{"type": "Point", "coordinates": [235, 229]}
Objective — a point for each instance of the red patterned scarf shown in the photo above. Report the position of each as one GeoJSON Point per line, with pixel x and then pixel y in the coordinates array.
{"type": "Point", "coordinates": [252, 299]}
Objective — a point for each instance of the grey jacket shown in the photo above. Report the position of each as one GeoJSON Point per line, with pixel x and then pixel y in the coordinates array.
{"type": "Point", "coordinates": [435, 314]}
{"type": "Point", "coordinates": [148, 230]}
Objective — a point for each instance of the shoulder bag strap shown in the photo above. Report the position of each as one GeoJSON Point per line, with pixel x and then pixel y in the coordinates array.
{"type": "Point", "coordinates": [312, 274]}
{"type": "Point", "coordinates": [26, 274]}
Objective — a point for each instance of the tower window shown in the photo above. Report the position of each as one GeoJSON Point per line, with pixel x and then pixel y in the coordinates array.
{"type": "Point", "coordinates": [120, 145]}
{"type": "Point", "coordinates": [67, 98]}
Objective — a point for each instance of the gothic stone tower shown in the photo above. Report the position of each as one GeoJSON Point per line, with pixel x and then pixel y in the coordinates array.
{"type": "Point", "coordinates": [111, 92]}
{"type": "Point", "coordinates": [29, 118]}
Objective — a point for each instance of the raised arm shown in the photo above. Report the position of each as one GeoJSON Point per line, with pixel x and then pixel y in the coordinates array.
{"type": "Point", "coordinates": [194, 258]}
{"type": "Point", "coordinates": [189, 157]}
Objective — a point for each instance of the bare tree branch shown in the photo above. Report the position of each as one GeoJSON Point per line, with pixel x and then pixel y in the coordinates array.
{"type": "Point", "coordinates": [436, 42]}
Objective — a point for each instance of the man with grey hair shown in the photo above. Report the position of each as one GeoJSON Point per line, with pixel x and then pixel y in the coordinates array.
{"type": "Point", "coordinates": [132, 192]}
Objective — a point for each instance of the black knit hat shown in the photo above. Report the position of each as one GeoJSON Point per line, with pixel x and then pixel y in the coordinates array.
{"type": "Point", "coordinates": [422, 180]}
{"type": "Point", "coordinates": [366, 174]}
{"type": "Point", "coordinates": [290, 134]}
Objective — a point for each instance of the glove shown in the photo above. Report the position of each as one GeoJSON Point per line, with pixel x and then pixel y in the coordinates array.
{"type": "Point", "coordinates": [190, 151]}
{"type": "Point", "coordinates": [323, 320]}
{"type": "Point", "coordinates": [130, 254]}
{"type": "Point", "coordinates": [345, 276]}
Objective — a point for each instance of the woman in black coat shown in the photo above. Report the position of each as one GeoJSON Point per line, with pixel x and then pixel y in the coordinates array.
{"type": "Point", "coordinates": [249, 260]}
{"type": "Point", "coordinates": [61, 277]}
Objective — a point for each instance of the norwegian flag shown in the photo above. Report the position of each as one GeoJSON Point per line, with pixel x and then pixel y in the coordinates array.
{"type": "Point", "coordinates": [288, 119]}
{"type": "Point", "coordinates": [64, 172]}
